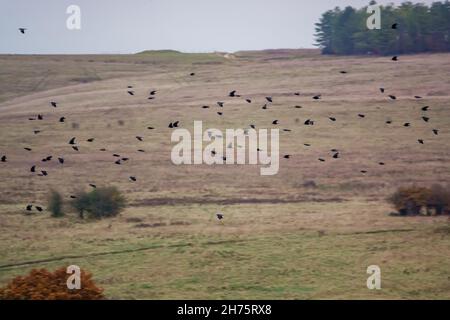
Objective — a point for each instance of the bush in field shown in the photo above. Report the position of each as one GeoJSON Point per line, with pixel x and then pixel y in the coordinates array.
{"type": "Point", "coordinates": [415, 200]}
{"type": "Point", "coordinates": [55, 204]}
{"type": "Point", "coordinates": [45, 285]}
{"type": "Point", "coordinates": [81, 203]}
{"type": "Point", "coordinates": [100, 202]}
{"type": "Point", "coordinates": [409, 201]}
{"type": "Point", "coordinates": [105, 202]}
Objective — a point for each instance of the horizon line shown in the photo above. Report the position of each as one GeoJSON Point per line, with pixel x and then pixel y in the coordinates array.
{"type": "Point", "coordinates": [157, 50]}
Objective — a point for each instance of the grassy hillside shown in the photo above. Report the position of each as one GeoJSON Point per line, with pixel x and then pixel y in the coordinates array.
{"type": "Point", "coordinates": [309, 232]}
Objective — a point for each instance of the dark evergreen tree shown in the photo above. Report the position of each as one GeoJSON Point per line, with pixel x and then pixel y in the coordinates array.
{"type": "Point", "coordinates": [421, 28]}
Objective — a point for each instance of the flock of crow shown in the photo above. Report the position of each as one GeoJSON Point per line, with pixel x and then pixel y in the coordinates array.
{"type": "Point", "coordinates": [73, 143]}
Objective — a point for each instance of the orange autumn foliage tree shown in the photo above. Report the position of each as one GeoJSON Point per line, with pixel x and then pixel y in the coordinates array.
{"type": "Point", "coordinates": [41, 284]}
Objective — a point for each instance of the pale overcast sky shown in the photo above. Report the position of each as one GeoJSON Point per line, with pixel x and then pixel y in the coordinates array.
{"type": "Point", "coordinates": [128, 26]}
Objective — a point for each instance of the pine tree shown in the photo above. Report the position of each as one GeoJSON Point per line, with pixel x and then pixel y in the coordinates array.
{"type": "Point", "coordinates": [420, 28]}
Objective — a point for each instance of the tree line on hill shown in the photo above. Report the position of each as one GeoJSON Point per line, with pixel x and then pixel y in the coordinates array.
{"type": "Point", "coordinates": [420, 28]}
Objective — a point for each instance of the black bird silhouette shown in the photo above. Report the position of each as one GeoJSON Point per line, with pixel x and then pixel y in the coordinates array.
{"type": "Point", "coordinates": [72, 141]}
{"type": "Point", "coordinates": [252, 126]}
{"type": "Point", "coordinates": [90, 140]}
{"type": "Point", "coordinates": [33, 169]}
{"type": "Point", "coordinates": [40, 117]}
{"type": "Point", "coordinates": [332, 119]}
{"type": "Point", "coordinates": [394, 26]}
{"type": "Point", "coordinates": [307, 144]}
{"type": "Point", "coordinates": [382, 90]}
{"type": "Point", "coordinates": [44, 173]}
{"type": "Point", "coordinates": [425, 108]}
{"type": "Point", "coordinates": [426, 119]}
{"type": "Point", "coordinates": [4, 158]}
{"type": "Point", "coordinates": [248, 100]}
{"type": "Point", "coordinates": [36, 131]}
{"type": "Point", "coordinates": [436, 131]}
{"type": "Point", "coordinates": [22, 30]}
{"type": "Point", "coordinates": [220, 113]}
{"type": "Point", "coordinates": [275, 122]}
{"type": "Point", "coordinates": [54, 104]}
{"type": "Point", "coordinates": [219, 216]}
{"type": "Point", "coordinates": [318, 97]}
{"type": "Point", "coordinates": [321, 160]}
{"type": "Point", "coordinates": [344, 72]}
{"type": "Point", "coordinates": [309, 122]}
{"type": "Point", "coordinates": [381, 163]}
{"type": "Point", "coordinates": [264, 107]}
{"type": "Point", "coordinates": [205, 107]}
{"type": "Point", "coordinates": [287, 130]}
{"type": "Point", "coordinates": [118, 162]}
{"type": "Point", "coordinates": [297, 93]}
{"type": "Point", "coordinates": [62, 119]}
{"type": "Point", "coordinates": [418, 97]}
{"type": "Point", "coordinates": [392, 97]}
{"type": "Point", "coordinates": [220, 103]}
{"type": "Point", "coordinates": [336, 155]}
{"type": "Point", "coordinates": [133, 178]}
{"type": "Point", "coordinates": [140, 150]}
{"type": "Point", "coordinates": [150, 128]}
{"type": "Point", "coordinates": [28, 149]}
{"type": "Point", "coordinates": [102, 149]}
{"type": "Point", "coordinates": [361, 115]}
{"type": "Point", "coordinates": [75, 148]}
{"type": "Point", "coordinates": [421, 141]}
{"type": "Point", "coordinates": [73, 197]}
{"type": "Point", "coordinates": [129, 87]}
{"type": "Point", "coordinates": [395, 58]}
{"type": "Point", "coordinates": [269, 99]}
{"type": "Point", "coordinates": [131, 93]}
{"type": "Point", "coordinates": [389, 121]}
{"type": "Point", "coordinates": [363, 171]}
{"type": "Point", "coordinates": [232, 93]}
{"type": "Point", "coordinates": [93, 185]}
{"type": "Point", "coordinates": [125, 159]}
{"type": "Point", "coordinates": [139, 138]}
{"type": "Point", "coordinates": [116, 155]}
{"type": "Point", "coordinates": [153, 92]}
{"type": "Point", "coordinates": [407, 124]}
{"type": "Point", "coordinates": [38, 208]}
{"type": "Point", "coordinates": [29, 207]}
{"type": "Point", "coordinates": [175, 124]}
{"type": "Point", "coordinates": [298, 107]}
{"type": "Point", "coordinates": [192, 74]}
{"type": "Point", "coordinates": [171, 125]}
{"type": "Point", "coordinates": [61, 160]}
{"type": "Point", "coordinates": [288, 156]}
